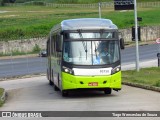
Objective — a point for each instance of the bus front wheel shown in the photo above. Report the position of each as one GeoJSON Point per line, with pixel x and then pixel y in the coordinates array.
{"type": "Point", "coordinates": [50, 82]}
{"type": "Point", "coordinates": [64, 93]}
{"type": "Point", "coordinates": [55, 87]}
{"type": "Point", "coordinates": [108, 91]}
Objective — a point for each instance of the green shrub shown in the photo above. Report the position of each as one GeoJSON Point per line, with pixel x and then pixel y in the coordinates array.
{"type": "Point", "coordinates": [2, 2]}
{"type": "Point", "coordinates": [39, 3]}
{"type": "Point", "coordinates": [17, 52]}
{"type": "Point", "coordinates": [157, 84]}
{"type": "Point", "coordinates": [1, 93]}
{"type": "Point", "coordinates": [6, 1]}
{"type": "Point", "coordinates": [36, 48]}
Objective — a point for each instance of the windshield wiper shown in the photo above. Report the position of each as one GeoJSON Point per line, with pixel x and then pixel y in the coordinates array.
{"type": "Point", "coordinates": [95, 49]}
{"type": "Point", "coordinates": [84, 46]}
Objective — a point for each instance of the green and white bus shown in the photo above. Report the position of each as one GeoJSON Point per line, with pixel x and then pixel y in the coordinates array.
{"type": "Point", "coordinates": [84, 54]}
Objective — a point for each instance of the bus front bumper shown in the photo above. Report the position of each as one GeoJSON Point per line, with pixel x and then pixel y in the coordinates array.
{"type": "Point", "coordinates": [92, 82]}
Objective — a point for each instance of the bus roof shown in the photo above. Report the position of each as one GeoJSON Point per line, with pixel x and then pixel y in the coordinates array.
{"type": "Point", "coordinates": [87, 24]}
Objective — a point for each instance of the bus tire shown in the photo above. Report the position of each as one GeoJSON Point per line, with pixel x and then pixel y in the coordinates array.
{"type": "Point", "coordinates": [55, 88]}
{"type": "Point", "coordinates": [108, 91]}
{"type": "Point", "coordinates": [49, 78]}
{"type": "Point", "coordinates": [50, 82]}
{"type": "Point", "coordinates": [64, 93]}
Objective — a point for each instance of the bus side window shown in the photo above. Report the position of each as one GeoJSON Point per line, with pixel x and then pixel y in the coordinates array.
{"type": "Point", "coordinates": [52, 46]}
{"type": "Point", "coordinates": [58, 43]}
{"type": "Point", "coordinates": [48, 48]}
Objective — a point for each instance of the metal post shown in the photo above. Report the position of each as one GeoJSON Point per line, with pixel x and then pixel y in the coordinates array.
{"type": "Point", "coordinates": [158, 56]}
{"type": "Point", "coordinates": [99, 4]}
{"type": "Point", "coordinates": [27, 60]}
{"type": "Point", "coordinates": [136, 36]}
{"type": "Point", "coordinates": [12, 64]}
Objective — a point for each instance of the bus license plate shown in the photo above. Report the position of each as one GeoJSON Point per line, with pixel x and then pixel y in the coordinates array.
{"type": "Point", "coordinates": [93, 84]}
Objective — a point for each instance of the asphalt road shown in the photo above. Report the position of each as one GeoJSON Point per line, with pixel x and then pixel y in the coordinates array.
{"type": "Point", "coordinates": [35, 94]}
{"type": "Point", "coordinates": [146, 52]}
{"type": "Point", "coordinates": [33, 65]}
{"type": "Point", "coordinates": [22, 66]}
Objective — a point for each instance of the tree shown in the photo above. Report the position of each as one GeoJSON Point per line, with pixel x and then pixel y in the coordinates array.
{"type": "Point", "coordinates": [12, 1]}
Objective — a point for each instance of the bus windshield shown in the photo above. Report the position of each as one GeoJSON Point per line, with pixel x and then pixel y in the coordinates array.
{"type": "Point", "coordinates": [91, 52]}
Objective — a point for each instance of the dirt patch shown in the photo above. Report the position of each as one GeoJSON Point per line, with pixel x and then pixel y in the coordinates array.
{"type": "Point", "coordinates": [1, 11]}
{"type": "Point", "coordinates": [7, 16]}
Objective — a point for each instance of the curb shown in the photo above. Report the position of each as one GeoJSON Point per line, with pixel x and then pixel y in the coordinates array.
{"type": "Point", "coordinates": [18, 56]}
{"type": "Point", "coordinates": [22, 76]}
{"type": "Point", "coordinates": [147, 87]}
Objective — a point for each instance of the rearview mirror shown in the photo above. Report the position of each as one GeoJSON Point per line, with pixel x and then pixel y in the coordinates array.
{"type": "Point", "coordinates": [58, 46]}
{"type": "Point", "coordinates": [122, 43]}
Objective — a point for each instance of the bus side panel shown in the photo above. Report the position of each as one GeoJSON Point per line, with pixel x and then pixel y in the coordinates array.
{"type": "Point", "coordinates": [56, 68]}
{"type": "Point", "coordinates": [48, 60]}
{"type": "Point", "coordinates": [75, 82]}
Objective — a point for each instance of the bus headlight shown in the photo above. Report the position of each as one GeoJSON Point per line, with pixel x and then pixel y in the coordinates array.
{"type": "Point", "coordinates": [116, 69]}
{"type": "Point", "coordinates": [67, 70]}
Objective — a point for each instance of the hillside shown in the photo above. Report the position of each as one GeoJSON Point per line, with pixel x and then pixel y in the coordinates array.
{"type": "Point", "coordinates": [33, 21]}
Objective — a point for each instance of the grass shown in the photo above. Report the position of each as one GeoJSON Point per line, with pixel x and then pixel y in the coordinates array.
{"type": "Point", "coordinates": [146, 76]}
{"type": "Point", "coordinates": [126, 19]}
{"type": "Point", "coordinates": [34, 21]}
{"type": "Point", "coordinates": [1, 93]}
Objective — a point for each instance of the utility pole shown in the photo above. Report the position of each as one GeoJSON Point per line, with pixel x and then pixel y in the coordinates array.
{"type": "Point", "coordinates": [136, 36]}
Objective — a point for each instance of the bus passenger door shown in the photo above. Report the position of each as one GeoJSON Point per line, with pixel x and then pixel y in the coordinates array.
{"type": "Point", "coordinates": [58, 60]}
